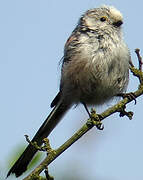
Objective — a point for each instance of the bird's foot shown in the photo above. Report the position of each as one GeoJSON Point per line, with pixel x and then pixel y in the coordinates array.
{"type": "Point", "coordinates": [130, 96]}
{"type": "Point", "coordinates": [95, 120]}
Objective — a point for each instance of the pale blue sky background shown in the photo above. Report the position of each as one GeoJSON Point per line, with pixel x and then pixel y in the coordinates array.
{"type": "Point", "coordinates": [32, 37]}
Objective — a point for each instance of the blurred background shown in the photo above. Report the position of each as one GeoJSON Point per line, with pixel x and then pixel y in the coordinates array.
{"type": "Point", "coordinates": [32, 38]}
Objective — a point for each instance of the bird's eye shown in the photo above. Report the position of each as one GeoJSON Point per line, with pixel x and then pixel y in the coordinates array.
{"type": "Point", "coordinates": [104, 18]}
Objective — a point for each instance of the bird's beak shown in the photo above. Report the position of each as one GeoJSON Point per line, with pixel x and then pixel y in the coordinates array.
{"type": "Point", "coordinates": [118, 23]}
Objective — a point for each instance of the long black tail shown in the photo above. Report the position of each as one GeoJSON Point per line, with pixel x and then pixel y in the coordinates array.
{"type": "Point", "coordinates": [51, 121]}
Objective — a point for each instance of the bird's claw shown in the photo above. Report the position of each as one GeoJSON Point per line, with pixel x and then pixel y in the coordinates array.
{"type": "Point", "coordinates": [96, 120]}
{"type": "Point", "coordinates": [100, 126]}
{"type": "Point", "coordinates": [130, 96]}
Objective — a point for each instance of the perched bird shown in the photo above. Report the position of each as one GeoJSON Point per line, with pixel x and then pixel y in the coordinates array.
{"type": "Point", "coordinates": [95, 68]}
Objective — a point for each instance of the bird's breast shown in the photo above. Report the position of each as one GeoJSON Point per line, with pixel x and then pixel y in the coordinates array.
{"type": "Point", "coordinates": [97, 71]}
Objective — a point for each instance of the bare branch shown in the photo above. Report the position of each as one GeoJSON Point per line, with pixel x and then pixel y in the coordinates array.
{"type": "Point", "coordinates": [94, 121]}
{"type": "Point", "coordinates": [137, 51]}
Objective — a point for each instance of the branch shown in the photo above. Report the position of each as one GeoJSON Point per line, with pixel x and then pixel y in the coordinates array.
{"type": "Point", "coordinates": [94, 120]}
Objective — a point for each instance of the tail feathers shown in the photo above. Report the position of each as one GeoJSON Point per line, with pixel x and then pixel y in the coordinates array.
{"type": "Point", "coordinates": [21, 164]}
{"type": "Point", "coordinates": [56, 100]}
{"type": "Point", "coordinates": [50, 123]}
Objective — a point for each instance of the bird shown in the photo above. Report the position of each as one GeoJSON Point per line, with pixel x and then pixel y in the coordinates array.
{"type": "Point", "coordinates": [95, 69]}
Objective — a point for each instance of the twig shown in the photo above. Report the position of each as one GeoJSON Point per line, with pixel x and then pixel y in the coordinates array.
{"type": "Point", "coordinates": [137, 51]}
{"type": "Point", "coordinates": [119, 107]}
{"type": "Point", "coordinates": [34, 144]}
{"type": "Point", "coordinates": [48, 177]}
